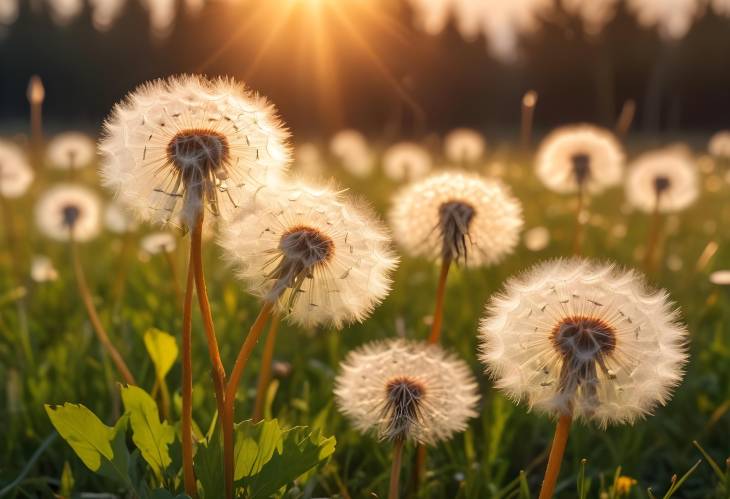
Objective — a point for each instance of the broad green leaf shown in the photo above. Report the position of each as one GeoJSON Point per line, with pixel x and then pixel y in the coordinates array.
{"type": "Point", "coordinates": [255, 446]}
{"type": "Point", "coordinates": [208, 464]}
{"type": "Point", "coordinates": [162, 349]}
{"type": "Point", "coordinates": [302, 451]}
{"type": "Point", "coordinates": [100, 447]}
{"type": "Point", "coordinates": [151, 436]}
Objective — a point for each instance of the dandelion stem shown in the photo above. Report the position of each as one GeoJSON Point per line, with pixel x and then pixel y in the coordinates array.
{"type": "Point", "coordinates": [265, 372]}
{"type": "Point", "coordinates": [187, 385]}
{"type": "Point", "coordinates": [556, 456]}
{"type": "Point", "coordinates": [655, 235]}
{"type": "Point", "coordinates": [438, 313]}
{"type": "Point", "coordinates": [174, 275]}
{"type": "Point", "coordinates": [196, 258]}
{"type": "Point", "coordinates": [94, 316]}
{"type": "Point", "coordinates": [623, 124]}
{"type": "Point", "coordinates": [230, 395]}
{"type": "Point", "coordinates": [16, 255]}
{"type": "Point", "coordinates": [578, 233]}
{"type": "Point", "coordinates": [395, 469]}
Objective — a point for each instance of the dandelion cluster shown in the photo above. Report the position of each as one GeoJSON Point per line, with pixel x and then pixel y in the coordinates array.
{"type": "Point", "coordinates": [177, 145]}
{"type": "Point", "coordinates": [406, 390]}
{"type": "Point", "coordinates": [584, 339]}
{"type": "Point", "coordinates": [666, 180]}
{"type": "Point", "coordinates": [69, 211]}
{"type": "Point", "coordinates": [319, 256]}
{"type": "Point", "coordinates": [579, 156]}
{"type": "Point", "coordinates": [457, 216]}
{"type": "Point", "coordinates": [16, 175]}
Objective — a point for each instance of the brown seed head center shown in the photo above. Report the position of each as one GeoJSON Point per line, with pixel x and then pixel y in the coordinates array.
{"type": "Point", "coordinates": [454, 219]}
{"type": "Point", "coordinates": [404, 397]}
{"type": "Point", "coordinates": [581, 167]}
{"type": "Point", "coordinates": [307, 245]}
{"type": "Point", "coordinates": [586, 338]}
{"type": "Point", "coordinates": [199, 153]}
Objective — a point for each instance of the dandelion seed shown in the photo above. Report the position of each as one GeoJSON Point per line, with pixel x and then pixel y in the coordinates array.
{"type": "Point", "coordinates": [464, 146]}
{"type": "Point", "coordinates": [719, 145]}
{"type": "Point", "coordinates": [457, 216]}
{"type": "Point", "coordinates": [71, 150]}
{"type": "Point", "coordinates": [69, 211]}
{"type": "Point", "coordinates": [16, 175]}
{"type": "Point", "coordinates": [406, 161]}
{"type": "Point", "coordinates": [321, 258]}
{"type": "Point", "coordinates": [576, 339]}
{"type": "Point", "coordinates": [177, 145]}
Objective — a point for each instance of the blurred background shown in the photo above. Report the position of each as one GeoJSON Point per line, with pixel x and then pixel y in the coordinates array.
{"type": "Point", "coordinates": [390, 67]}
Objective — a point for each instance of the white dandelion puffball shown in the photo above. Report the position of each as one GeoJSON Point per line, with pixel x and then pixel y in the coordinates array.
{"type": "Point", "coordinates": [68, 210]}
{"type": "Point", "coordinates": [158, 242]}
{"type": "Point", "coordinates": [406, 161]}
{"type": "Point", "coordinates": [668, 177]}
{"type": "Point", "coordinates": [406, 390]}
{"type": "Point", "coordinates": [175, 146]}
{"type": "Point", "coordinates": [574, 337]}
{"type": "Point", "coordinates": [719, 145]}
{"type": "Point", "coordinates": [118, 220]}
{"type": "Point", "coordinates": [537, 238]}
{"type": "Point", "coordinates": [580, 155]}
{"type": "Point", "coordinates": [457, 216]}
{"type": "Point", "coordinates": [16, 174]}
{"type": "Point", "coordinates": [321, 258]}
{"type": "Point", "coordinates": [71, 150]}
{"type": "Point", "coordinates": [42, 269]}
{"type": "Point", "coordinates": [464, 145]}
{"type": "Point", "coordinates": [351, 148]}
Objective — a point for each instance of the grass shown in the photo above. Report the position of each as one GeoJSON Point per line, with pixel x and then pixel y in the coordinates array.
{"type": "Point", "coordinates": [48, 354]}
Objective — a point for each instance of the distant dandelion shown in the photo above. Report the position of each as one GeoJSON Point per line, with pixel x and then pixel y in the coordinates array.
{"type": "Point", "coordinates": [351, 148]}
{"type": "Point", "coordinates": [321, 258]}
{"type": "Point", "coordinates": [720, 277]}
{"type": "Point", "coordinates": [582, 159]}
{"type": "Point", "coordinates": [406, 161]}
{"type": "Point", "coordinates": [719, 145]}
{"type": "Point", "coordinates": [42, 269]}
{"type": "Point", "coordinates": [71, 150]}
{"type": "Point", "coordinates": [69, 211]}
{"type": "Point", "coordinates": [663, 181]}
{"type": "Point", "coordinates": [16, 174]}
{"type": "Point", "coordinates": [464, 146]}
{"type": "Point", "coordinates": [175, 146]}
{"type": "Point", "coordinates": [577, 339]}
{"type": "Point", "coordinates": [158, 242]}
{"type": "Point", "coordinates": [406, 391]}
{"type": "Point", "coordinates": [537, 238]}
{"type": "Point", "coordinates": [309, 161]}
{"type": "Point", "coordinates": [118, 220]}
{"type": "Point", "coordinates": [456, 217]}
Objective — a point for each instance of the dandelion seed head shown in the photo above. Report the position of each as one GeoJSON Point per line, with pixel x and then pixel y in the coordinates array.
{"type": "Point", "coordinates": [459, 216]}
{"type": "Point", "coordinates": [351, 148]}
{"type": "Point", "coordinates": [576, 155]}
{"type": "Point", "coordinates": [176, 146]}
{"type": "Point", "coordinates": [537, 238]}
{"type": "Point", "coordinates": [406, 390]}
{"type": "Point", "coordinates": [158, 242]}
{"type": "Point", "coordinates": [320, 257]}
{"type": "Point", "coordinates": [42, 269]}
{"type": "Point", "coordinates": [577, 337]}
{"type": "Point", "coordinates": [719, 145]}
{"type": "Point", "coordinates": [67, 209]}
{"type": "Point", "coordinates": [667, 176]}
{"type": "Point", "coordinates": [464, 145]}
{"type": "Point", "coordinates": [16, 174]}
{"type": "Point", "coordinates": [71, 150]}
{"type": "Point", "coordinates": [406, 161]}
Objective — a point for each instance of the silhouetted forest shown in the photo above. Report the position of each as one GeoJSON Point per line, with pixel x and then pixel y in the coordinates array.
{"type": "Point", "coordinates": [438, 81]}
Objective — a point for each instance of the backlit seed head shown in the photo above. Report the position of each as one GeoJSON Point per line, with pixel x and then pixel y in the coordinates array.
{"type": "Point", "coordinates": [68, 210]}
{"type": "Point", "coordinates": [406, 161]}
{"type": "Point", "coordinates": [458, 216]}
{"type": "Point", "coordinates": [406, 390]}
{"type": "Point", "coordinates": [585, 339]}
{"type": "Point", "coordinates": [665, 179]}
{"type": "Point", "coordinates": [719, 145]}
{"type": "Point", "coordinates": [464, 145]}
{"type": "Point", "coordinates": [319, 256]}
{"type": "Point", "coordinates": [177, 146]}
{"type": "Point", "coordinates": [580, 155]}
{"type": "Point", "coordinates": [71, 150]}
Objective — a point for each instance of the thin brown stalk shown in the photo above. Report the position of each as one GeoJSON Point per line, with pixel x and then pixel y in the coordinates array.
{"type": "Point", "coordinates": [395, 469]}
{"type": "Point", "coordinates": [655, 235]}
{"type": "Point", "coordinates": [230, 395]}
{"type": "Point", "coordinates": [579, 226]}
{"type": "Point", "coordinates": [556, 457]}
{"type": "Point", "coordinates": [265, 372]}
{"type": "Point", "coordinates": [94, 317]}
{"type": "Point", "coordinates": [438, 314]}
{"type": "Point", "coordinates": [623, 124]}
{"type": "Point", "coordinates": [187, 385]}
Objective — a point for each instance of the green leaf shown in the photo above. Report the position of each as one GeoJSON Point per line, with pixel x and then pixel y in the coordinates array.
{"type": "Point", "coordinates": [151, 436]}
{"type": "Point", "coordinates": [67, 481]}
{"type": "Point", "coordinates": [255, 446]}
{"type": "Point", "coordinates": [302, 450]}
{"type": "Point", "coordinates": [162, 348]}
{"type": "Point", "coordinates": [100, 447]}
{"type": "Point", "coordinates": [208, 464]}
